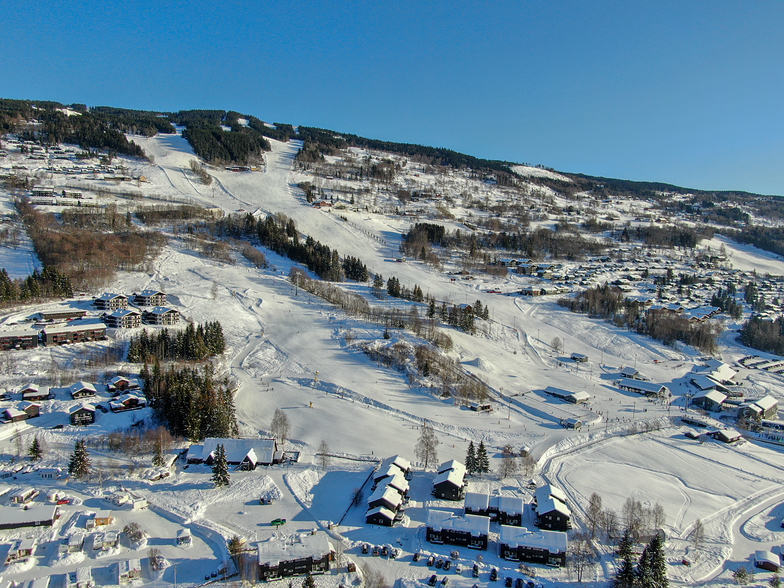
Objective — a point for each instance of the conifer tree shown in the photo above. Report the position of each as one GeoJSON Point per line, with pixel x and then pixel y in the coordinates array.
{"type": "Point", "coordinates": [658, 563]}
{"type": "Point", "coordinates": [36, 451]}
{"type": "Point", "coordinates": [626, 575]}
{"type": "Point", "coordinates": [220, 468]}
{"type": "Point", "coordinates": [79, 465]}
{"type": "Point", "coordinates": [308, 582]}
{"type": "Point", "coordinates": [470, 462]}
{"type": "Point", "coordinates": [482, 461]}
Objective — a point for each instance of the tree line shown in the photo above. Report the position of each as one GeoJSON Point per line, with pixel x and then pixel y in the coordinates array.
{"type": "Point", "coordinates": [764, 335]}
{"type": "Point", "coordinates": [668, 327]}
{"type": "Point", "coordinates": [213, 144]}
{"type": "Point", "coordinates": [536, 244]}
{"type": "Point", "coordinates": [46, 284]}
{"type": "Point", "coordinates": [190, 400]}
{"type": "Point", "coordinates": [88, 247]}
{"type": "Point", "coordinates": [194, 343]}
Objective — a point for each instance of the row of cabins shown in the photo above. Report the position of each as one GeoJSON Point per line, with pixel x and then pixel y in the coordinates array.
{"type": "Point", "coordinates": [517, 543]}
{"type": "Point", "coordinates": [77, 331]}
{"type": "Point", "coordinates": [112, 301]}
{"type": "Point", "coordinates": [506, 510]}
{"type": "Point", "coordinates": [390, 484]}
{"type": "Point", "coordinates": [299, 555]}
{"type": "Point", "coordinates": [243, 454]}
{"type": "Point", "coordinates": [131, 318]}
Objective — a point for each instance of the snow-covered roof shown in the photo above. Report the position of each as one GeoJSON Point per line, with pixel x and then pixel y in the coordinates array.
{"type": "Point", "coordinates": [543, 492]}
{"type": "Point", "coordinates": [511, 505]}
{"type": "Point", "coordinates": [84, 405]}
{"type": "Point", "coordinates": [453, 476]}
{"type": "Point", "coordinates": [580, 396]}
{"type": "Point", "coordinates": [110, 296]}
{"type": "Point", "coordinates": [552, 541]}
{"type": "Point", "coordinates": [398, 461]}
{"type": "Point", "coordinates": [388, 495]}
{"type": "Point", "coordinates": [161, 310]}
{"type": "Point", "coordinates": [766, 402]}
{"type": "Point", "coordinates": [629, 372]}
{"type": "Point", "coordinates": [148, 293]}
{"type": "Point", "coordinates": [303, 546]}
{"type": "Point", "coordinates": [13, 412]}
{"type": "Point", "coordinates": [75, 325]}
{"type": "Point", "coordinates": [452, 464]}
{"type": "Point", "coordinates": [79, 386]}
{"type": "Point", "coordinates": [22, 517]}
{"type": "Point", "coordinates": [442, 519]}
{"type": "Point", "coordinates": [122, 312]}
{"type": "Point", "coordinates": [712, 395]}
{"type": "Point", "coordinates": [238, 449]}
{"type": "Point", "coordinates": [397, 481]}
{"type": "Point", "coordinates": [767, 556]}
{"type": "Point", "coordinates": [476, 501]}
{"type": "Point", "coordinates": [721, 373]}
{"type": "Point", "coordinates": [550, 504]}
{"type": "Point", "coordinates": [640, 385]}
{"type": "Point", "coordinates": [385, 512]}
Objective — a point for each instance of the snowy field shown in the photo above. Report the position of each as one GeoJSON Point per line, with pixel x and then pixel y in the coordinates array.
{"type": "Point", "coordinates": [289, 351]}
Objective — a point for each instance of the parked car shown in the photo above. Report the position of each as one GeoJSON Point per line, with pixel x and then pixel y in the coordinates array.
{"type": "Point", "coordinates": [444, 581]}
{"type": "Point", "coordinates": [433, 580]}
{"type": "Point", "coordinates": [447, 565]}
{"type": "Point", "coordinates": [385, 550]}
{"type": "Point", "coordinates": [365, 548]}
{"type": "Point", "coordinates": [493, 575]}
{"type": "Point", "coordinates": [475, 571]}
{"type": "Point", "coordinates": [376, 551]}
{"type": "Point", "coordinates": [417, 556]}
{"type": "Point", "coordinates": [278, 522]}
{"type": "Point", "coordinates": [519, 583]}
{"type": "Point", "coordinates": [508, 582]}
{"type": "Point", "coordinates": [102, 408]}
{"type": "Point", "coordinates": [454, 554]}
{"type": "Point", "coordinates": [458, 569]}
{"type": "Point", "coordinates": [439, 563]}
{"type": "Point", "coordinates": [394, 552]}
{"type": "Point", "coordinates": [431, 560]}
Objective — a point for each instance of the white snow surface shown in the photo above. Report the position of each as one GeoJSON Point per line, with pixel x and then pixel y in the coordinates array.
{"type": "Point", "coordinates": [288, 350]}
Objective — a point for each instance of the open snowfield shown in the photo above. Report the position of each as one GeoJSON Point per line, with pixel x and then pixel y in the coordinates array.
{"type": "Point", "coordinates": [288, 350]}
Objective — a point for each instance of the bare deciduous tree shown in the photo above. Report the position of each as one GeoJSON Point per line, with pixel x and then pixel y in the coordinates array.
{"type": "Point", "coordinates": [508, 466]}
{"type": "Point", "coordinates": [427, 445]}
{"type": "Point", "coordinates": [323, 455]}
{"type": "Point", "coordinates": [279, 428]}
{"type": "Point", "coordinates": [593, 514]}
{"type": "Point", "coordinates": [581, 556]}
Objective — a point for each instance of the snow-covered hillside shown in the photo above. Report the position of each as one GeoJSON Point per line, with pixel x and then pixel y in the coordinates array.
{"type": "Point", "coordinates": [289, 350]}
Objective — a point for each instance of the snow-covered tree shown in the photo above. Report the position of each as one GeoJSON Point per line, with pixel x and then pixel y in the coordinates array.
{"type": "Point", "coordinates": [220, 467]}
{"type": "Point", "coordinates": [470, 462]}
{"type": "Point", "coordinates": [427, 446]}
{"type": "Point", "coordinates": [79, 465]}
{"type": "Point", "coordinates": [309, 582]}
{"type": "Point", "coordinates": [658, 562]}
{"type": "Point", "coordinates": [482, 461]}
{"type": "Point", "coordinates": [36, 451]}
{"type": "Point", "coordinates": [626, 575]}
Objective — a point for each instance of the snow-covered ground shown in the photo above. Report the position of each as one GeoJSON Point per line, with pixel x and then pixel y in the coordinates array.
{"type": "Point", "coordinates": [288, 350]}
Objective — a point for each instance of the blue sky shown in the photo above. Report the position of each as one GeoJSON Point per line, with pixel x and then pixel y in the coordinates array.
{"type": "Point", "coordinates": [683, 92]}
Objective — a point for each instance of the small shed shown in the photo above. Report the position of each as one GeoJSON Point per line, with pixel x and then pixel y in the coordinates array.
{"type": "Point", "coordinates": [767, 560]}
